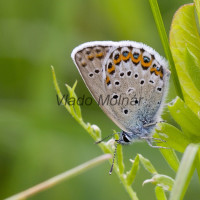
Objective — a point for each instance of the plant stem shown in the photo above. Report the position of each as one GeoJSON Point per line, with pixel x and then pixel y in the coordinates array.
{"type": "Point", "coordinates": [102, 145]}
{"type": "Point", "coordinates": [61, 177]}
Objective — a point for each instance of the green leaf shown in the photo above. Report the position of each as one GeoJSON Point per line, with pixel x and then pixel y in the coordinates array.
{"type": "Point", "coordinates": [72, 111]}
{"type": "Point", "coordinates": [192, 67]}
{"type": "Point", "coordinates": [182, 114]}
{"type": "Point", "coordinates": [164, 181]}
{"type": "Point", "coordinates": [171, 158]}
{"type": "Point", "coordinates": [147, 165]}
{"type": "Point", "coordinates": [58, 90]}
{"type": "Point", "coordinates": [75, 107]}
{"type": "Point", "coordinates": [169, 154]}
{"type": "Point", "coordinates": [173, 136]}
{"type": "Point", "coordinates": [161, 180]}
{"type": "Point", "coordinates": [132, 173]}
{"type": "Point", "coordinates": [119, 156]}
{"type": "Point", "coordinates": [184, 33]}
{"type": "Point", "coordinates": [160, 194]}
{"type": "Point", "coordinates": [185, 172]}
{"type": "Point", "coordinates": [187, 32]}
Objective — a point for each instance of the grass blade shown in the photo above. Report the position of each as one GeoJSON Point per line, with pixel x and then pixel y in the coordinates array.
{"type": "Point", "coordinates": [163, 36]}
{"type": "Point", "coordinates": [185, 172]}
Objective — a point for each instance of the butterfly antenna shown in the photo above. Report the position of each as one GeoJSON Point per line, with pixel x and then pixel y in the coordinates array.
{"type": "Point", "coordinates": [105, 138]}
{"type": "Point", "coordinates": [113, 161]}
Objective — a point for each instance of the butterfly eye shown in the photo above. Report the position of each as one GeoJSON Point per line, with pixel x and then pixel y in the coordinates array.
{"type": "Point", "coordinates": [125, 53]}
{"type": "Point", "coordinates": [136, 55]}
{"type": "Point", "coordinates": [125, 138]}
{"type": "Point", "coordinates": [146, 59]}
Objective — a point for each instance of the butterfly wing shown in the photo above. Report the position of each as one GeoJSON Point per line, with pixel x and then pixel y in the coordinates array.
{"type": "Point", "coordinates": [127, 79]}
{"type": "Point", "coordinates": [139, 80]}
{"type": "Point", "coordinates": [89, 58]}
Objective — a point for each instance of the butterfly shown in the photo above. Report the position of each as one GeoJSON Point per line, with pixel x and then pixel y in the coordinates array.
{"type": "Point", "coordinates": [129, 80]}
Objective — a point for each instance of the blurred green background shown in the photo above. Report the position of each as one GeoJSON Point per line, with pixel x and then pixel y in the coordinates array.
{"type": "Point", "coordinates": [38, 138]}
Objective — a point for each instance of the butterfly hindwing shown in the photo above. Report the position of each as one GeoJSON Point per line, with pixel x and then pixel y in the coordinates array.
{"type": "Point", "coordinates": [138, 81]}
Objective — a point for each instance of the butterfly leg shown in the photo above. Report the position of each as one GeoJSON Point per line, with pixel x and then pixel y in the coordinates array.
{"type": "Point", "coordinates": [153, 123]}
{"type": "Point", "coordinates": [149, 142]}
{"type": "Point", "coordinates": [158, 140]}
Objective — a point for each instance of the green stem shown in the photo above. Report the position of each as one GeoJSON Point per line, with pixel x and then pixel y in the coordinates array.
{"type": "Point", "coordinates": [163, 36]}
{"type": "Point", "coordinates": [185, 172]}
{"type": "Point", "coordinates": [79, 120]}
{"type": "Point", "coordinates": [61, 177]}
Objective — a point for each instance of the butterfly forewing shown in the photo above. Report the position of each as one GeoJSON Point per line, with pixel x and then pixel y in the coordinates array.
{"type": "Point", "coordinates": [89, 61]}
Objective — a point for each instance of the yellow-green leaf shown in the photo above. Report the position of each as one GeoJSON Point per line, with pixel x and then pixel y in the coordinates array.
{"type": "Point", "coordinates": [184, 33]}
{"type": "Point", "coordinates": [147, 165]}
{"type": "Point", "coordinates": [134, 169]}
{"type": "Point", "coordinates": [173, 137]}
{"type": "Point", "coordinates": [185, 117]}
{"type": "Point", "coordinates": [160, 193]}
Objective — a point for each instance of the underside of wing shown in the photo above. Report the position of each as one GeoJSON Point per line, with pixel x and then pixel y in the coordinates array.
{"type": "Point", "coordinates": [89, 58]}
{"type": "Point", "coordinates": [137, 78]}
{"type": "Point", "coordinates": [115, 71]}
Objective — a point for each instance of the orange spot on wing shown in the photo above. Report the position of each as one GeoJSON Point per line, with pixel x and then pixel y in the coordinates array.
{"type": "Point", "coordinates": [136, 60]}
{"type": "Point", "coordinates": [146, 64]}
{"type": "Point", "coordinates": [99, 55]}
{"type": "Point", "coordinates": [125, 58]}
{"type": "Point", "coordinates": [118, 60]}
{"type": "Point", "coordinates": [152, 69]}
{"type": "Point", "coordinates": [107, 80]}
{"type": "Point", "coordinates": [91, 57]}
{"type": "Point", "coordinates": [83, 64]}
{"type": "Point", "coordinates": [157, 73]}
{"type": "Point", "coordinates": [110, 70]}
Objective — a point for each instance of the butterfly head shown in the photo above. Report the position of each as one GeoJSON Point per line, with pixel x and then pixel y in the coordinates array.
{"type": "Point", "coordinates": [127, 138]}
